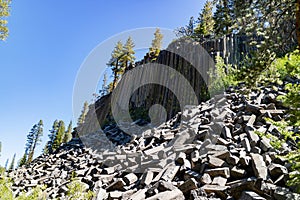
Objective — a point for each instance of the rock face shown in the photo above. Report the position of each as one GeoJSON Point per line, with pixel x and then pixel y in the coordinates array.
{"type": "Point", "coordinates": [180, 161]}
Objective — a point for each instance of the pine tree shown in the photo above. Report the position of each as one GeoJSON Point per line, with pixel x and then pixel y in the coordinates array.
{"type": "Point", "coordinates": [59, 136]}
{"type": "Point", "coordinates": [115, 63]}
{"type": "Point", "coordinates": [34, 139]}
{"type": "Point", "coordinates": [52, 135]}
{"type": "Point", "coordinates": [23, 160]}
{"type": "Point", "coordinates": [12, 164]}
{"type": "Point", "coordinates": [68, 133]}
{"type": "Point", "coordinates": [186, 31]}
{"type": "Point", "coordinates": [128, 58]}
{"type": "Point", "coordinates": [104, 87]}
{"type": "Point", "coordinates": [224, 17]}
{"type": "Point", "coordinates": [6, 164]}
{"type": "Point", "coordinates": [156, 43]}
{"type": "Point", "coordinates": [83, 113]}
{"type": "Point", "coordinates": [205, 20]}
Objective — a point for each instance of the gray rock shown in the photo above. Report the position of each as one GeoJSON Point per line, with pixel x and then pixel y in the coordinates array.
{"type": "Point", "coordinates": [249, 195]}
{"type": "Point", "coordinates": [259, 166]}
{"type": "Point", "coordinates": [277, 170]}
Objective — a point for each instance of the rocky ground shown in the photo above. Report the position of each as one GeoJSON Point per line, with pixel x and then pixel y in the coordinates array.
{"type": "Point", "coordinates": [214, 153]}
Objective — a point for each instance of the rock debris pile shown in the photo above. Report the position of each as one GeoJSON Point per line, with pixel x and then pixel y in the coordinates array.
{"type": "Point", "coordinates": [216, 150]}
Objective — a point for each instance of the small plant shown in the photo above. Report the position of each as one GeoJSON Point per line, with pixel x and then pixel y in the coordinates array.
{"type": "Point", "coordinates": [275, 142]}
{"type": "Point", "coordinates": [77, 190]}
{"type": "Point", "coordinates": [294, 159]}
{"type": "Point", "coordinates": [222, 76]}
{"type": "Point", "coordinates": [36, 193]}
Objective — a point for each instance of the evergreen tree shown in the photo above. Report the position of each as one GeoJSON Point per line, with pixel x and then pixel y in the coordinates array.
{"type": "Point", "coordinates": [128, 58]}
{"type": "Point", "coordinates": [186, 31]}
{"type": "Point", "coordinates": [156, 43]}
{"type": "Point", "coordinates": [114, 63]}
{"type": "Point", "coordinates": [52, 135]}
{"type": "Point", "coordinates": [104, 87]}
{"type": "Point", "coordinates": [205, 20]}
{"type": "Point", "coordinates": [34, 139]}
{"type": "Point", "coordinates": [23, 160]}
{"type": "Point", "coordinates": [224, 17]}
{"type": "Point", "coordinates": [4, 12]}
{"type": "Point", "coordinates": [270, 27]}
{"type": "Point", "coordinates": [83, 113]}
{"type": "Point", "coordinates": [68, 134]}
{"type": "Point", "coordinates": [6, 164]}
{"type": "Point", "coordinates": [59, 135]}
{"type": "Point", "coordinates": [12, 164]}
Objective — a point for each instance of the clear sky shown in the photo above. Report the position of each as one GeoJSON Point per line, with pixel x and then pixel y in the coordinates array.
{"type": "Point", "coordinates": [48, 42]}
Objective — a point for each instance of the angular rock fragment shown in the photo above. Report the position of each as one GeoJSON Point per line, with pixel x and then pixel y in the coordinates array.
{"type": "Point", "coordinates": [259, 166]}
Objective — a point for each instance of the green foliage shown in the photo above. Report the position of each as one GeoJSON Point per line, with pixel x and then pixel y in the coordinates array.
{"type": "Point", "coordinates": [186, 31]}
{"type": "Point", "coordinates": [68, 134]}
{"type": "Point", "coordinates": [156, 43]}
{"type": "Point", "coordinates": [83, 113]}
{"type": "Point", "coordinates": [34, 139]}
{"type": "Point", "coordinates": [294, 159]}
{"type": "Point", "coordinates": [4, 13]}
{"type": "Point", "coordinates": [128, 57]}
{"type": "Point", "coordinates": [77, 191]}
{"type": "Point", "coordinates": [7, 194]}
{"type": "Point", "coordinates": [275, 142]}
{"type": "Point", "coordinates": [223, 17]}
{"type": "Point", "coordinates": [5, 186]}
{"type": "Point", "coordinates": [205, 20]}
{"type": "Point", "coordinates": [219, 78]}
{"type": "Point", "coordinates": [292, 100]}
{"type": "Point", "coordinates": [36, 193]}
{"type": "Point", "coordinates": [59, 135]}
{"type": "Point", "coordinates": [23, 160]}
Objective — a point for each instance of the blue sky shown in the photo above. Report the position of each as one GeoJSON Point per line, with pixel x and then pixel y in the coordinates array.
{"type": "Point", "coordinates": [48, 42]}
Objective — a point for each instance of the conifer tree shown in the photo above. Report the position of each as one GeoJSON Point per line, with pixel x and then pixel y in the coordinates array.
{"type": "Point", "coordinates": [224, 17]}
{"type": "Point", "coordinates": [23, 160]}
{"type": "Point", "coordinates": [59, 135]}
{"type": "Point", "coordinates": [34, 139]}
{"type": "Point", "coordinates": [205, 20]}
{"type": "Point", "coordinates": [52, 135]}
{"type": "Point", "coordinates": [115, 63]}
{"type": "Point", "coordinates": [128, 58]}
{"type": "Point", "coordinates": [156, 43]}
{"type": "Point", "coordinates": [186, 31]}
{"type": "Point", "coordinates": [68, 134]}
{"type": "Point", "coordinates": [104, 87]}
{"type": "Point", "coordinates": [12, 164]}
{"type": "Point", "coordinates": [83, 113]}
{"type": "Point", "coordinates": [6, 164]}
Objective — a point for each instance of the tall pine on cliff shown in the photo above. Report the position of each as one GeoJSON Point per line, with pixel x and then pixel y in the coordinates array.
{"type": "Point", "coordinates": [114, 64]}
{"type": "Point", "coordinates": [156, 43]}
{"type": "Point", "coordinates": [128, 57]}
